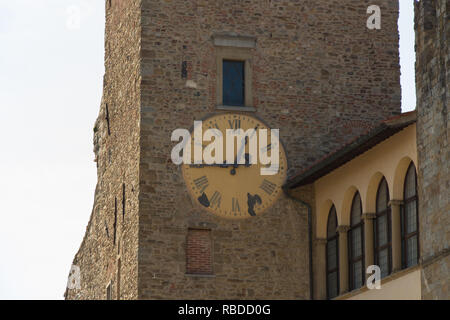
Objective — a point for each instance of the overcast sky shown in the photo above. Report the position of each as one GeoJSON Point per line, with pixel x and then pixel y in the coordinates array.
{"type": "Point", "coordinates": [51, 70]}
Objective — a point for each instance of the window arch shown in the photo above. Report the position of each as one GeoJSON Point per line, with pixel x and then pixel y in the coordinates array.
{"type": "Point", "coordinates": [382, 230]}
{"type": "Point", "coordinates": [332, 255]}
{"type": "Point", "coordinates": [410, 220]}
{"type": "Point", "coordinates": [356, 245]}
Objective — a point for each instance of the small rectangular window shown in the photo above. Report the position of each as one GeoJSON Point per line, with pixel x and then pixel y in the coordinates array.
{"type": "Point", "coordinates": [233, 83]}
{"type": "Point", "coordinates": [198, 252]}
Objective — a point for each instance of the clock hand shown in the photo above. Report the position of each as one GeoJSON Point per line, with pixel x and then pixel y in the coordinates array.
{"type": "Point", "coordinates": [241, 150]}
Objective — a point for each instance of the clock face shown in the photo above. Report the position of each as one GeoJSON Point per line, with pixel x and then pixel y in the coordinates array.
{"type": "Point", "coordinates": [231, 191]}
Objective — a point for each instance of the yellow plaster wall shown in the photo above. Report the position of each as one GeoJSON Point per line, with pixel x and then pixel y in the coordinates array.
{"type": "Point", "coordinates": [390, 159]}
{"type": "Point", "coordinates": [406, 287]}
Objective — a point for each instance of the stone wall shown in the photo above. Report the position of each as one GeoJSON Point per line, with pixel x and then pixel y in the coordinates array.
{"type": "Point", "coordinates": [433, 87]}
{"type": "Point", "coordinates": [112, 231]}
{"type": "Point", "coordinates": [318, 74]}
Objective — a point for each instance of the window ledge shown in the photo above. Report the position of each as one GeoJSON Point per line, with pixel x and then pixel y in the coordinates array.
{"type": "Point", "coordinates": [193, 275]}
{"type": "Point", "coordinates": [236, 108]}
{"type": "Point", "coordinates": [389, 278]}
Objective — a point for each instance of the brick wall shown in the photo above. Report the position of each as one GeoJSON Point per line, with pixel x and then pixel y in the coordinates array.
{"type": "Point", "coordinates": [199, 252]}
{"type": "Point", "coordinates": [433, 87]}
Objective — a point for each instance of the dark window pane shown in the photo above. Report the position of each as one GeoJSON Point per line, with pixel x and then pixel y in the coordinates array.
{"type": "Point", "coordinates": [410, 183]}
{"type": "Point", "coordinates": [333, 284]}
{"type": "Point", "coordinates": [233, 83]}
{"type": "Point", "coordinates": [383, 262]}
{"type": "Point", "coordinates": [356, 253]}
{"type": "Point", "coordinates": [382, 234]}
{"type": "Point", "coordinates": [411, 217]}
{"type": "Point", "coordinates": [357, 275]}
{"type": "Point", "coordinates": [332, 223]}
{"type": "Point", "coordinates": [356, 242]}
{"type": "Point", "coordinates": [356, 210]}
{"type": "Point", "coordinates": [412, 252]}
{"type": "Point", "coordinates": [382, 228]}
{"type": "Point", "coordinates": [332, 254]}
{"type": "Point", "coordinates": [382, 196]}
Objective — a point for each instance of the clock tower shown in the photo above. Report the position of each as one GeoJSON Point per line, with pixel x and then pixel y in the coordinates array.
{"type": "Point", "coordinates": [311, 69]}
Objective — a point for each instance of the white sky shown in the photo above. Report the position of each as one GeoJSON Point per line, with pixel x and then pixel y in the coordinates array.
{"type": "Point", "coordinates": [51, 73]}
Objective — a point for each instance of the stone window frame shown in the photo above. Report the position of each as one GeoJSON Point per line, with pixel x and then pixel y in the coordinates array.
{"type": "Point", "coordinates": [235, 48]}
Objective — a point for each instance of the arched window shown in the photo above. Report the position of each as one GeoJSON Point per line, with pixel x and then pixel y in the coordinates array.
{"type": "Point", "coordinates": [382, 232]}
{"type": "Point", "coordinates": [356, 245]}
{"type": "Point", "coordinates": [332, 255]}
{"type": "Point", "coordinates": [410, 220]}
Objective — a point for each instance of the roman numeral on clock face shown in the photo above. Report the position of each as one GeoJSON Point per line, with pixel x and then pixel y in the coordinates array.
{"type": "Point", "coordinates": [216, 199]}
{"type": "Point", "coordinates": [235, 206]}
{"type": "Point", "coordinates": [201, 183]}
{"type": "Point", "coordinates": [268, 187]}
{"type": "Point", "coordinates": [235, 124]}
{"type": "Point", "coordinates": [215, 126]}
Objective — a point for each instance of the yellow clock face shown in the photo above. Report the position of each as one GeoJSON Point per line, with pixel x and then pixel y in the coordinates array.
{"type": "Point", "coordinates": [232, 190]}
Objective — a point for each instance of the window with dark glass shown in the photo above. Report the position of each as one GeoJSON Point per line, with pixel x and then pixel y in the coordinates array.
{"type": "Point", "coordinates": [410, 220]}
{"type": "Point", "coordinates": [356, 245]}
{"type": "Point", "coordinates": [332, 255]}
{"type": "Point", "coordinates": [382, 232]}
{"type": "Point", "coordinates": [233, 83]}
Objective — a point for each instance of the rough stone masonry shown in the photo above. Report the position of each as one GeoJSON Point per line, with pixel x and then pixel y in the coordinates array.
{"type": "Point", "coordinates": [433, 134]}
{"type": "Point", "coordinates": [318, 74]}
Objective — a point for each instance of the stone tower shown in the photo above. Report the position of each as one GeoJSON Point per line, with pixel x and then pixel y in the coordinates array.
{"type": "Point", "coordinates": [317, 73]}
{"type": "Point", "coordinates": [433, 87]}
